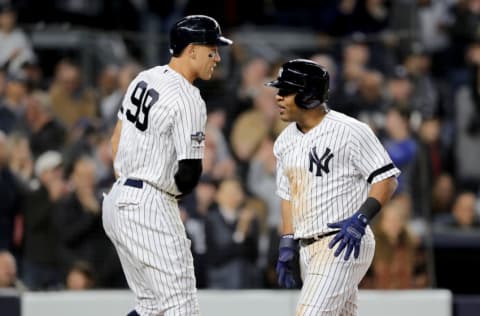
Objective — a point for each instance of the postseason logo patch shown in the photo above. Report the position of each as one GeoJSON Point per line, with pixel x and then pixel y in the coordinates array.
{"type": "Point", "coordinates": [198, 137]}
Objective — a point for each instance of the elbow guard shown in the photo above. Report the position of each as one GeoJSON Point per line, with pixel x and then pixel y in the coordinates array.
{"type": "Point", "coordinates": [188, 174]}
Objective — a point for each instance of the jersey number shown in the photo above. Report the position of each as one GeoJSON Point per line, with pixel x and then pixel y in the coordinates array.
{"type": "Point", "coordinates": [143, 99]}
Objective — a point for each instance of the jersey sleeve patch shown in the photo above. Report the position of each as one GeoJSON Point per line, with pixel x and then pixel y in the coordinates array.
{"type": "Point", "coordinates": [197, 139]}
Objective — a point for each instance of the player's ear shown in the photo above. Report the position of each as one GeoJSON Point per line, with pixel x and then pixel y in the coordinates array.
{"type": "Point", "coordinates": [191, 51]}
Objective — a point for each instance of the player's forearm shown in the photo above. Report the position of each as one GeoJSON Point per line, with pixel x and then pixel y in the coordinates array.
{"type": "Point", "coordinates": [382, 191]}
{"type": "Point", "coordinates": [287, 223]}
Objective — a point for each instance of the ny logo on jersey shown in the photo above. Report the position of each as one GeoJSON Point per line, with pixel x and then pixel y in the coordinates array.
{"type": "Point", "coordinates": [322, 163]}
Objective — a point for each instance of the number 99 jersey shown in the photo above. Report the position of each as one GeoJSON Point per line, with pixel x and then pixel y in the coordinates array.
{"type": "Point", "coordinates": [163, 120]}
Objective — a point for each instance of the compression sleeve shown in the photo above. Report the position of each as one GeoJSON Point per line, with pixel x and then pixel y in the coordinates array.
{"type": "Point", "coordinates": [188, 174]}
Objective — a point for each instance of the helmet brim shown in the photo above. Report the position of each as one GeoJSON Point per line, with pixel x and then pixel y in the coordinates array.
{"type": "Point", "coordinates": [274, 83]}
{"type": "Point", "coordinates": [282, 84]}
{"type": "Point", "coordinates": [223, 41]}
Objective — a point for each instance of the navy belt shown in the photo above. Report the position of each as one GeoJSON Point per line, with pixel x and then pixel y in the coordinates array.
{"type": "Point", "coordinates": [308, 241]}
{"type": "Point", "coordinates": [134, 183]}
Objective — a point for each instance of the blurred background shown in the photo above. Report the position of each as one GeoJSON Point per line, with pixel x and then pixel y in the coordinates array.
{"type": "Point", "coordinates": [408, 68]}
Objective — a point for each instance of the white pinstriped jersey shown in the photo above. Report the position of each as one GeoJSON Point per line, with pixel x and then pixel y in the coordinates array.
{"type": "Point", "coordinates": [163, 120]}
{"type": "Point", "coordinates": [326, 173]}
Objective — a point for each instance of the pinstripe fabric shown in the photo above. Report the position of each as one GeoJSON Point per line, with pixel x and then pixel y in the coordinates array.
{"type": "Point", "coordinates": [150, 238]}
{"type": "Point", "coordinates": [337, 194]}
{"type": "Point", "coordinates": [330, 283]}
{"type": "Point", "coordinates": [163, 120]}
{"type": "Point", "coordinates": [179, 113]}
{"type": "Point", "coordinates": [326, 175]}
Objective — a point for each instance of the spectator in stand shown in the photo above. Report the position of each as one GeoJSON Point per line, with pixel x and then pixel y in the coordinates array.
{"type": "Point", "coordinates": [10, 197]}
{"type": "Point", "coordinates": [84, 137]}
{"type": "Point", "coordinates": [401, 146]}
{"type": "Point", "coordinates": [432, 158]}
{"type": "Point", "coordinates": [462, 32]}
{"type": "Point", "coordinates": [195, 208]}
{"type": "Point", "coordinates": [370, 16]}
{"type": "Point", "coordinates": [8, 272]}
{"type": "Point", "coordinates": [15, 49]}
{"type": "Point", "coordinates": [80, 277]}
{"type": "Point", "coordinates": [370, 103]}
{"type": "Point", "coordinates": [443, 194]}
{"type": "Point", "coordinates": [78, 217]}
{"type": "Point", "coordinates": [396, 261]}
{"type": "Point", "coordinates": [41, 266]}
{"type": "Point", "coordinates": [218, 162]}
{"type": "Point", "coordinates": [463, 216]}
{"type": "Point", "coordinates": [78, 221]}
{"type": "Point", "coordinates": [424, 98]}
{"type": "Point", "coordinates": [71, 100]}
{"type": "Point", "coordinates": [102, 155]}
{"type": "Point", "coordinates": [329, 63]}
{"type": "Point", "coordinates": [467, 119]}
{"type": "Point", "coordinates": [252, 76]}
{"type": "Point", "coordinates": [232, 237]}
{"type": "Point", "coordinates": [46, 132]}
{"type": "Point", "coordinates": [107, 88]}
{"type": "Point", "coordinates": [253, 126]}
{"type": "Point", "coordinates": [347, 89]}
{"type": "Point", "coordinates": [110, 105]}
{"type": "Point", "coordinates": [11, 105]}
{"type": "Point", "coordinates": [399, 89]}
{"type": "Point", "coordinates": [261, 181]}
{"type": "Point", "coordinates": [33, 73]}
{"type": "Point", "coordinates": [434, 18]}
{"type": "Point", "coordinates": [20, 159]}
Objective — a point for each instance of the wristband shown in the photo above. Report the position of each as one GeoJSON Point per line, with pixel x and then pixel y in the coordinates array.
{"type": "Point", "coordinates": [370, 208]}
{"type": "Point", "coordinates": [288, 241]}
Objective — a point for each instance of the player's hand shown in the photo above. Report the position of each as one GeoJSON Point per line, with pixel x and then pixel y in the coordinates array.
{"type": "Point", "coordinates": [287, 252]}
{"type": "Point", "coordinates": [350, 235]}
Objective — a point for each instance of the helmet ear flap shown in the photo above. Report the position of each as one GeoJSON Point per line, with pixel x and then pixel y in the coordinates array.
{"type": "Point", "coordinates": [307, 100]}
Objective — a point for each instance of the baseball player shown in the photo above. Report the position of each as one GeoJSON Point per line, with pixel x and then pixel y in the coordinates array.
{"type": "Point", "coordinates": [158, 145]}
{"type": "Point", "coordinates": [333, 176]}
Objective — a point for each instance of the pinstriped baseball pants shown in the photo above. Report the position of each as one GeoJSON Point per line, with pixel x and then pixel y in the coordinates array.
{"type": "Point", "coordinates": [145, 226]}
{"type": "Point", "coordinates": [330, 284]}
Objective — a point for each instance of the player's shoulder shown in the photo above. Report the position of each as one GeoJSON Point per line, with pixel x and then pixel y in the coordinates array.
{"type": "Point", "coordinates": [172, 84]}
{"type": "Point", "coordinates": [158, 75]}
{"type": "Point", "coordinates": [180, 85]}
{"type": "Point", "coordinates": [347, 122]}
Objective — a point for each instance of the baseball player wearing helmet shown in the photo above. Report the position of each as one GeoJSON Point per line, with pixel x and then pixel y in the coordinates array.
{"type": "Point", "coordinates": [158, 145]}
{"type": "Point", "coordinates": [333, 176]}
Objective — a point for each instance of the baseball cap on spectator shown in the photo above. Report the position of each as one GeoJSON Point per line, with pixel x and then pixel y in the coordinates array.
{"type": "Point", "coordinates": [47, 161]}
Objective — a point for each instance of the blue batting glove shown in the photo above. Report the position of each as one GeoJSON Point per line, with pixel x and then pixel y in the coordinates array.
{"type": "Point", "coordinates": [287, 252]}
{"type": "Point", "coordinates": [350, 235]}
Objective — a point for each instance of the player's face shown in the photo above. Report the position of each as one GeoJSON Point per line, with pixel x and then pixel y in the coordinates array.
{"type": "Point", "coordinates": [289, 111]}
{"type": "Point", "coordinates": [207, 59]}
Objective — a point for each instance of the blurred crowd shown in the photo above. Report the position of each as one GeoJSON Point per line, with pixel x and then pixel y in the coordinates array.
{"type": "Point", "coordinates": [420, 94]}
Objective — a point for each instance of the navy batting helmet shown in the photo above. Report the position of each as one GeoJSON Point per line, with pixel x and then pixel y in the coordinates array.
{"type": "Point", "coordinates": [196, 29]}
{"type": "Point", "coordinates": [307, 79]}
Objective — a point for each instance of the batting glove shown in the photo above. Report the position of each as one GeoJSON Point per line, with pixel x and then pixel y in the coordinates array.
{"type": "Point", "coordinates": [350, 235]}
{"type": "Point", "coordinates": [287, 252]}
